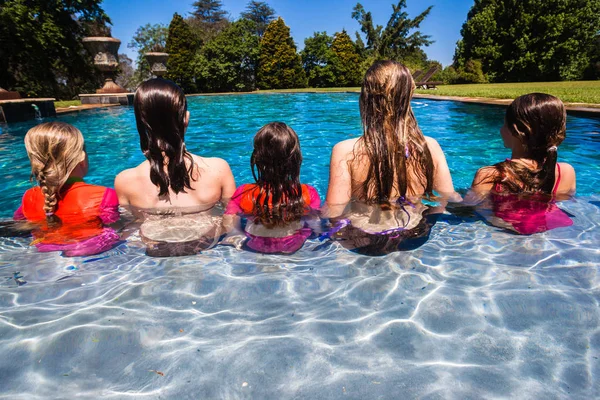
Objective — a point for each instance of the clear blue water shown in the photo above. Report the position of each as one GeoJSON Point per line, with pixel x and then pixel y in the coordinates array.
{"type": "Point", "coordinates": [473, 313]}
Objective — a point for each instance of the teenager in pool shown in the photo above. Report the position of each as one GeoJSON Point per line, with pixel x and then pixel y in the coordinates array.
{"type": "Point", "coordinates": [388, 169]}
{"type": "Point", "coordinates": [523, 187]}
{"type": "Point", "coordinates": [276, 204]}
{"type": "Point", "coordinates": [172, 178]}
{"type": "Point", "coordinates": [69, 214]}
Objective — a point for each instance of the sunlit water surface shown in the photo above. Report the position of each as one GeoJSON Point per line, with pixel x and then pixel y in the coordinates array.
{"type": "Point", "coordinates": [474, 313]}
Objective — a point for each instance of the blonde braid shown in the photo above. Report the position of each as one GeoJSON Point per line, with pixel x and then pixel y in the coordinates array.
{"type": "Point", "coordinates": [54, 150]}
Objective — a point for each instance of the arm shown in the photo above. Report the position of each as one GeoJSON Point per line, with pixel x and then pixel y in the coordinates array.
{"type": "Point", "coordinates": [483, 182]}
{"type": "Point", "coordinates": [340, 179]}
{"type": "Point", "coordinates": [122, 183]}
{"type": "Point", "coordinates": [442, 180]}
{"type": "Point", "coordinates": [227, 181]}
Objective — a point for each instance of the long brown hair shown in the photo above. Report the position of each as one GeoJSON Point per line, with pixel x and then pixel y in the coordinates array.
{"type": "Point", "coordinates": [160, 110]}
{"type": "Point", "coordinates": [392, 139]}
{"type": "Point", "coordinates": [54, 150]}
{"type": "Point", "coordinates": [275, 164]}
{"type": "Point", "coordinates": [539, 122]}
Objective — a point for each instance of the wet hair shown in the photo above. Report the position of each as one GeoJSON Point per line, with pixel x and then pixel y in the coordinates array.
{"type": "Point", "coordinates": [160, 110]}
{"type": "Point", "coordinates": [275, 164]}
{"type": "Point", "coordinates": [392, 139]}
{"type": "Point", "coordinates": [539, 122]}
{"type": "Point", "coordinates": [54, 150]}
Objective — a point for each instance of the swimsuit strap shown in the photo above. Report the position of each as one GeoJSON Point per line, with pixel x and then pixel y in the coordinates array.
{"type": "Point", "coordinates": [557, 180]}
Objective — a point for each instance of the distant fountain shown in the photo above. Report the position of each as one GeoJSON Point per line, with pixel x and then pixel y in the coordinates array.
{"type": "Point", "coordinates": [105, 53]}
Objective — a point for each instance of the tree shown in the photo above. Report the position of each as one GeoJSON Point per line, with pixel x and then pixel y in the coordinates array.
{"type": "Point", "coordinates": [145, 38]}
{"type": "Point", "coordinates": [345, 61]}
{"type": "Point", "coordinates": [41, 53]}
{"type": "Point", "coordinates": [126, 77]}
{"type": "Point", "coordinates": [530, 40]}
{"type": "Point", "coordinates": [261, 13]}
{"type": "Point", "coordinates": [279, 65]}
{"type": "Point", "coordinates": [208, 19]}
{"type": "Point", "coordinates": [228, 62]}
{"type": "Point", "coordinates": [181, 46]}
{"type": "Point", "coordinates": [316, 59]}
{"type": "Point", "coordinates": [395, 41]}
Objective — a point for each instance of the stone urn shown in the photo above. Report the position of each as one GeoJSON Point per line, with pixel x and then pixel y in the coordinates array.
{"type": "Point", "coordinates": [106, 59]}
{"type": "Point", "coordinates": [158, 63]}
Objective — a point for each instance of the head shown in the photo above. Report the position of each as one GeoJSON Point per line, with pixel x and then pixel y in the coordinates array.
{"type": "Point", "coordinates": [535, 125]}
{"type": "Point", "coordinates": [55, 150]}
{"type": "Point", "coordinates": [275, 164]}
{"type": "Point", "coordinates": [161, 116]}
{"type": "Point", "coordinates": [391, 135]}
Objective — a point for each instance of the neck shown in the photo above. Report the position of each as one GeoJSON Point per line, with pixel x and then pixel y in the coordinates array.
{"type": "Point", "coordinates": [519, 153]}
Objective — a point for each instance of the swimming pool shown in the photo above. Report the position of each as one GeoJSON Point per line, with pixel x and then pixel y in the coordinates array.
{"type": "Point", "coordinates": [473, 313]}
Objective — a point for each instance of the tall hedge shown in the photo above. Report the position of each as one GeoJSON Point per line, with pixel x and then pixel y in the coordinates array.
{"type": "Point", "coordinates": [279, 65]}
{"type": "Point", "coordinates": [182, 48]}
{"type": "Point", "coordinates": [346, 61]}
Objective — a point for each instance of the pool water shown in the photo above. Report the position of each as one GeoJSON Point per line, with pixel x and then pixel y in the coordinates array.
{"type": "Point", "coordinates": [473, 313]}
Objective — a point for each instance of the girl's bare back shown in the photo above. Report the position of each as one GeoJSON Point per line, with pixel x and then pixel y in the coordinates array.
{"type": "Point", "coordinates": [211, 182]}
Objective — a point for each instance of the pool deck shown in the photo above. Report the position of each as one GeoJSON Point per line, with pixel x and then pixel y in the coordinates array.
{"type": "Point", "coordinates": [592, 110]}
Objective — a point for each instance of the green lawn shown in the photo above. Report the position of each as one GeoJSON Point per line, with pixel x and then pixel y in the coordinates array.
{"type": "Point", "coordinates": [569, 92]}
{"type": "Point", "coordinates": [67, 103]}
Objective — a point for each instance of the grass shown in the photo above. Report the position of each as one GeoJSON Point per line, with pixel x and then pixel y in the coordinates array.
{"type": "Point", "coordinates": [66, 103]}
{"type": "Point", "coordinates": [569, 92]}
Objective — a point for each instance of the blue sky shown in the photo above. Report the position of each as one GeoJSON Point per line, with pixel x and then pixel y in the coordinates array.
{"type": "Point", "coordinates": [303, 17]}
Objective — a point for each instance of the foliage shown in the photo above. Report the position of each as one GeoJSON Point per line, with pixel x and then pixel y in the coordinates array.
{"type": "Point", "coordinates": [316, 59]}
{"type": "Point", "coordinates": [261, 13]}
{"type": "Point", "coordinates": [279, 65]}
{"type": "Point", "coordinates": [574, 91]}
{"type": "Point", "coordinates": [530, 40]}
{"type": "Point", "coordinates": [471, 72]}
{"type": "Point", "coordinates": [395, 41]}
{"type": "Point", "coordinates": [228, 62]}
{"type": "Point", "coordinates": [126, 77]}
{"type": "Point", "coordinates": [144, 40]}
{"type": "Point", "coordinates": [41, 53]}
{"type": "Point", "coordinates": [208, 19]}
{"type": "Point", "coordinates": [182, 47]}
{"type": "Point", "coordinates": [345, 61]}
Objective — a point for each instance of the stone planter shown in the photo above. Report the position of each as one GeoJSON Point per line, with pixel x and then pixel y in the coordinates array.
{"type": "Point", "coordinates": [158, 63]}
{"type": "Point", "coordinates": [105, 53]}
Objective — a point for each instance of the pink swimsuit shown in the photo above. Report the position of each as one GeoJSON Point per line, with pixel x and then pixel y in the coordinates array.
{"type": "Point", "coordinates": [530, 215]}
{"type": "Point", "coordinates": [242, 202]}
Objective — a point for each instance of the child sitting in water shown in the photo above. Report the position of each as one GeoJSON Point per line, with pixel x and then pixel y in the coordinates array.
{"type": "Point", "coordinates": [70, 213]}
{"type": "Point", "coordinates": [172, 181]}
{"type": "Point", "coordinates": [383, 174]}
{"type": "Point", "coordinates": [277, 202]}
{"type": "Point", "coordinates": [524, 186]}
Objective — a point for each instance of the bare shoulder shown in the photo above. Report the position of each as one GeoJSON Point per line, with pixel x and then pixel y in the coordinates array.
{"type": "Point", "coordinates": [213, 164]}
{"type": "Point", "coordinates": [568, 181]}
{"type": "Point", "coordinates": [125, 179]}
{"type": "Point", "coordinates": [344, 148]}
{"type": "Point", "coordinates": [434, 146]}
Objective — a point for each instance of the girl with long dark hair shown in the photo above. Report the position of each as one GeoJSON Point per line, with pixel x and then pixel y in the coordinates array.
{"type": "Point", "coordinates": [277, 202]}
{"type": "Point", "coordinates": [171, 178]}
{"type": "Point", "coordinates": [525, 185]}
{"type": "Point", "coordinates": [384, 173]}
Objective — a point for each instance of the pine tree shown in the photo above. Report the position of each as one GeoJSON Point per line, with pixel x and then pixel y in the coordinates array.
{"type": "Point", "coordinates": [261, 13]}
{"type": "Point", "coordinates": [209, 11]}
{"type": "Point", "coordinates": [208, 19]}
{"type": "Point", "coordinates": [279, 65]}
{"type": "Point", "coordinates": [181, 47]}
{"type": "Point", "coordinates": [345, 61]}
